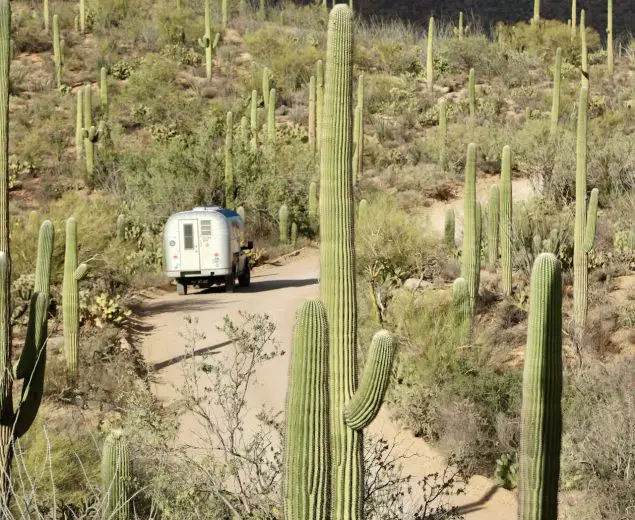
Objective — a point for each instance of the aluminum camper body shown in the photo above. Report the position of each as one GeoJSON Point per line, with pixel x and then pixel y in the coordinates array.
{"type": "Point", "coordinates": [204, 247]}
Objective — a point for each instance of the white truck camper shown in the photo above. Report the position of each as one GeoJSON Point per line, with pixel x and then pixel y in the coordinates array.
{"type": "Point", "coordinates": [205, 247]}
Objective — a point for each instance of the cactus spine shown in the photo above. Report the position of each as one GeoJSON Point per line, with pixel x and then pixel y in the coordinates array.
{"type": "Point", "coordinates": [271, 116]}
{"type": "Point", "coordinates": [294, 235]}
{"type": "Point", "coordinates": [555, 105]}
{"type": "Point", "coordinates": [449, 230]}
{"type": "Point", "coordinates": [493, 209]}
{"type": "Point", "coordinates": [57, 51]}
{"type": "Point", "coordinates": [103, 91]}
{"type": "Point", "coordinates": [266, 89]}
{"type": "Point", "coordinates": [462, 309]}
{"type": "Point", "coordinates": [580, 272]}
{"type": "Point", "coordinates": [472, 95]}
{"type": "Point", "coordinates": [319, 100]}
{"type": "Point", "coordinates": [206, 40]}
{"type": "Point", "coordinates": [429, 61]}
{"type": "Point", "coordinates": [541, 417]}
{"type": "Point", "coordinates": [337, 278]}
{"type": "Point", "coordinates": [70, 300]}
{"type": "Point", "coordinates": [584, 51]}
{"type": "Point", "coordinates": [313, 207]}
{"type": "Point", "coordinates": [116, 476]}
{"type": "Point", "coordinates": [229, 162]}
{"type": "Point", "coordinates": [609, 39]}
{"type": "Point", "coordinates": [506, 221]}
{"type": "Point", "coordinates": [312, 114]}
{"type": "Point", "coordinates": [307, 463]}
{"type": "Point", "coordinates": [470, 266]}
{"type": "Point", "coordinates": [254, 118]}
{"type": "Point", "coordinates": [82, 16]}
{"type": "Point", "coordinates": [460, 25]}
{"type": "Point", "coordinates": [79, 125]}
{"type": "Point", "coordinates": [574, 18]}
{"type": "Point", "coordinates": [283, 224]}
{"type": "Point", "coordinates": [443, 133]}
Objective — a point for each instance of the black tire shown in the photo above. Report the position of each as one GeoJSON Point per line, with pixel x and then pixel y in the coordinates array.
{"type": "Point", "coordinates": [230, 283]}
{"type": "Point", "coordinates": [181, 288]}
{"type": "Point", "coordinates": [245, 278]}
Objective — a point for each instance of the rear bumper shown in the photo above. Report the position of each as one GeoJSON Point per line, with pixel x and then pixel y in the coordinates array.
{"type": "Point", "coordinates": [198, 275]}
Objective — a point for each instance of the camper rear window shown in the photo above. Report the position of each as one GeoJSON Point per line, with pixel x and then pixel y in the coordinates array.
{"type": "Point", "coordinates": [206, 228]}
{"type": "Point", "coordinates": [188, 236]}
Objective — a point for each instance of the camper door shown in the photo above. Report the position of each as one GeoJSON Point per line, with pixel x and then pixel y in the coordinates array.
{"type": "Point", "coordinates": [188, 233]}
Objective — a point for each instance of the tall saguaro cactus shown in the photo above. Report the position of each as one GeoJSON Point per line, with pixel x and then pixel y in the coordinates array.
{"type": "Point", "coordinates": [555, 104]}
{"type": "Point", "coordinates": [82, 16]}
{"type": "Point", "coordinates": [266, 89]}
{"type": "Point", "coordinates": [103, 91]}
{"type": "Point", "coordinates": [307, 469]}
{"type": "Point", "coordinates": [609, 39]}
{"type": "Point", "coordinates": [206, 40]}
{"type": "Point", "coordinates": [505, 235]}
{"type": "Point", "coordinates": [584, 79]}
{"type": "Point", "coordinates": [312, 115]}
{"type": "Point", "coordinates": [541, 417]}
{"type": "Point", "coordinates": [271, 116]}
{"type": "Point", "coordinates": [79, 125]}
{"type": "Point", "coordinates": [460, 25]}
{"type": "Point", "coordinates": [536, 19]}
{"type": "Point", "coordinates": [70, 300]}
{"type": "Point", "coordinates": [283, 224]}
{"type": "Point", "coordinates": [57, 51]}
{"type": "Point", "coordinates": [319, 109]}
{"type": "Point", "coordinates": [493, 211]}
{"type": "Point", "coordinates": [429, 60]}
{"type": "Point", "coordinates": [443, 133]}
{"type": "Point", "coordinates": [229, 161]}
{"type": "Point", "coordinates": [254, 118]}
{"type": "Point", "coordinates": [116, 477]}
{"type": "Point", "coordinates": [574, 19]}
{"type": "Point", "coordinates": [471, 92]}
{"type": "Point", "coordinates": [471, 260]}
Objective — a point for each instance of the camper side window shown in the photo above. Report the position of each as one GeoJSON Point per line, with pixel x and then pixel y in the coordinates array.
{"type": "Point", "coordinates": [188, 236]}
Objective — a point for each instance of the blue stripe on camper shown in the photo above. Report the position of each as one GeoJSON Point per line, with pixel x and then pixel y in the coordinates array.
{"type": "Point", "coordinates": [228, 212]}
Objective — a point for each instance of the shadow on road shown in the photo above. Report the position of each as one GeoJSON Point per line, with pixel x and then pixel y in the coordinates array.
{"type": "Point", "coordinates": [272, 285]}
{"type": "Point", "coordinates": [212, 349]}
{"type": "Point", "coordinates": [478, 504]}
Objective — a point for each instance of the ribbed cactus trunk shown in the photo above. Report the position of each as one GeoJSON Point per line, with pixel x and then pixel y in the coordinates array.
{"type": "Point", "coordinates": [82, 16]}
{"type": "Point", "coordinates": [337, 264]}
{"type": "Point", "coordinates": [470, 265]}
{"type": "Point", "coordinates": [271, 117]}
{"type": "Point", "coordinates": [57, 51]}
{"type": "Point", "coordinates": [313, 207]}
{"type": "Point", "coordinates": [462, 310]}
{"type": "Point", "coordinates": [449, 230]}
{"type": "Point", "coordinates": [580, 268]}
{"type": "Point", "coordinates": [229, 161]}
{"type": "Point", "coordinates": [443, 134]}
{"type": "Point", "coordinates": [429, 59]}
{"type": "Point", "coordinates": [244, 130]}
{"type": "Point", "coordinates": [121, 227]}
{"type": "Point", "coordinates": [283, 224]}
{"type": "Point", "coordinates": [312, 115]}
{"type": "Point", "coordinates": [591, 220]}
{"type": "Point", "coordinates": [224, 14]}
{"type": "Point", "coordinates": [89, 148]}
{"type": "Point", "coordinates": [541, 417]}
{"type": "Point", "coordinates": [79, 125]}
{"type": "Point", "coordinates": [103, 92]}
{"type": "Point", "coordinates": [493, 212]}
{"type": "Point", "coordinates": [319, 109]}
{"type": "Point", "coordinates": [206, 41]}
{"type": "Point", "coordinates": [536, 19]}
{"type": "Point", "coordinates": [46, 15]}
{"type": "Point", "coordinates": [116, 477]}
{"type": "Point", "coordinates": [471, 92]}
{"type": "Point", "coordinates": [506, 221]}
{"type": "Point", "coordinates": [307, 468]}
{"type": "Point", "coordinates": [294, 235]}
{"type": "Point", "coordinates": [584, 56]}
{"type": "Point", "coordinates": [265, 87]}
{"type": "Point", "coordinates": [574, 19]}
{"type": "Point", "coordinates": [460, 25]}
{"type": "Point", "coordinates": [254, 118]}
{"type": "Point", "coordinates": [609, 40]}
{"type": "Point", "coordinates": [555, 104]}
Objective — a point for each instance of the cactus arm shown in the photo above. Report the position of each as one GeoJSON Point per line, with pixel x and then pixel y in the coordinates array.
{"type": "Point", "coordinates": [28, 356]}
{"type": "Point", "coordinates": [364, 406]}
{"type": "Point", "coordinates": [541, 416]}
{"type": "Point", "coordinates": [216, 41]}
{"type": "Point", "coordinates": [81, 272]}
{"type": "Point", "coordinates": [591, 221]}
{"type": "Point", "coordinates": [307, 465]}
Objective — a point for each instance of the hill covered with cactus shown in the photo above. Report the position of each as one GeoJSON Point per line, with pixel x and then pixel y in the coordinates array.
{"type": "Point", "coordinates": [472, 196]}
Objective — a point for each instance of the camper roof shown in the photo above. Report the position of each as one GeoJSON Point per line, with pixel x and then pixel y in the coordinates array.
{"type": "Point", "coordinates": [223, 211]}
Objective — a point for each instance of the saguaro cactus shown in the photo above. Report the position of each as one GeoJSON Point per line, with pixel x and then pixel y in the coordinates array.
{"type": "Point", "coordinates": [224, 14]}
{"type": "Point", "coordinates": [266, 89]}
{"type": "Point", "coordinates": [103, 91]}
{"type": "Point", "coordinates": [471, 91]}
{"type": "Point", "coordinates": [591, 221]}
{"type": "Point", "coordinates": [609, 39]}
{"type": "Point", "coordinates": [313, 207]}
{"type": "Point", "coordinates": [541, 417]}
{"type": "Point", "coordinates": [79, 125]}
{"type": "Point", "coordinates": [493, 210]}
{"type": "Point", "coordinates": [283, 224]}
{"type": "Point", "coordinates": [471, 260]}
{"type": "Point", "coordinates": [555, 105]}
{"type": "Point", "coordinates": [357, 115]}
{"type": "Point", "coordinates": [206, 41]}
{"type": "Point", "coordinates": [312, 115]}
{"type": "Point", "coordinates": [337, 279]}
{"type": "Point", "coordinates": [307, 468]}
{"type": "Point", "coordinates": [580, 267]}
{"type": "Point", "coordinates": [254, 118]}
{"type": "Point", "coordinates": [574, 18]}
{"type": "Point", "coordinates": [462, 309]}
{"type": "Point", "coordinates": [294, 235]}
{"type": "Point", "coordinates": [244, 130]}
{"type": "Point", "coordinates": [57, 51]}
{"type": "Point", "coordinates": [320, 99]}
{"type": "Point", "coordinates": [91, 136]}
{"type": "Point", "coordinates": [449, 230]}
{"type": "Point", "coordinates": [88, 123]}
{"type": "Point", "coordinates": [536, 19]}
{"type": "Point", "coordinates": [429, 60]}
{"type": "Point", "coordinates": [121, 227]}
{"type": "Point", "coordinates": [584, 52]}
{"type": "Point", "coordinates": [359, 137]}
{"type": "Point", "coordinates": [229, 161]}
{"type": "Point", "coordinates": [271, 116]}
{"type": "Point", "coordinates": [82, 16]}
{"type": "Point", "coordinates": [46, 15]}
{"type": "Point", "coordinates": [70, 300]}
{"type": "Point", "coordinates": [506, 221]}
{"type": "Point", "coordinates": [460, 25]}
{"type": "Point", "coordinates": [443, 133]}
{"type": "Point", "coordinates": [116, 476]}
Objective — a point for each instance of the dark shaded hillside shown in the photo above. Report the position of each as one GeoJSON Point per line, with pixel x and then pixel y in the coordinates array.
{"type": "Point", "coordinates": [490, 11]}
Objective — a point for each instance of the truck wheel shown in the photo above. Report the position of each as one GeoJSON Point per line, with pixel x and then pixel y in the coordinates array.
{"type": "Point", "coordinates": [245, 278]}
{"type": "Point", "coordinates": [230, 282]}
{"type": "Point", "coordinates": [181, 288]}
